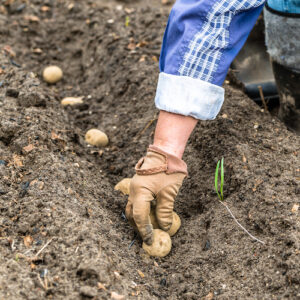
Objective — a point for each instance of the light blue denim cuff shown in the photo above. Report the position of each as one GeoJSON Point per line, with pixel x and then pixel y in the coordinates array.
{"type": "Point", "coordinates": [286, 6]}
{"type": "Point", "coordinates": [188, 96]}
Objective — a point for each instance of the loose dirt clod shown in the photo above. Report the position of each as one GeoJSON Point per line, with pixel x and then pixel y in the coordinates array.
{"type": "Point", "coordinates": [123, 186]}
{"type": "Point", "coordinates": [161, 246]}
{"type": "Point", "coordinates": [52, 74]}
{"type": "Point", "coordinates": [96, 138]}
{"type": "Point", "coordinates": [71, 101]}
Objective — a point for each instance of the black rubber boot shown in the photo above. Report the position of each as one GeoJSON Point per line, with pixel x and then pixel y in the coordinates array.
{"type": "Point", "coordinates": [288, 86]}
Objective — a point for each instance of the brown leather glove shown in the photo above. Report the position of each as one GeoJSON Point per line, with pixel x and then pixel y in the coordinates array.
{"type": "Point", "coordinates": [159, 176]}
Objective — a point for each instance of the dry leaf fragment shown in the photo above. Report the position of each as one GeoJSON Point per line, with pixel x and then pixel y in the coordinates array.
{"type": "Point", "coordinates": [101, 286]}
{"type": "Point", "coordinates": [32, 18]}
{"type": "Point", "coordinates": [117, 274]}
{"type": "Point", "coordinates": [41, 185]}
{"type": "Point", "coordinates": [244, 159]}
{"type": "Point", "coordinates": [143, 58]}
{"type": "Point", "coordinates": [33, 182]}
{"type": "Point", "coordinates": [295, 208]}
{"type": "Point", "coordinates": [28, 240]}
{"type": "Point", "coordinates": [131, 46]}
{"type": "Point", "coordinates": [129, 10]}
{"type": "Point", "coordinates": [45, 8]}
{"type": "Point", "coordinates": [142, 44]}
{"type": "Point", "coordinates": [142, 275]}
{"type": "Point", "coordinates": [9, 51]}
{"type": "Point", "coordinates": [54, 136]}
{"type": "Point", "coordinates": [70, 191]}
{"type": "Point", "coordinates": [17, 161]}
{"type": "Point", "coordinates": [154, 58]}
{"type": "Point", "coordinates": [37, 50]}
{"type": "Point", "coordinates": [116, 296]}
{"type": "Point", "coordinates": [28, 148]}
{"type": "Point", "coordinates": [70, 6]}
{"type": "Point", "coordinates": [209, 296]}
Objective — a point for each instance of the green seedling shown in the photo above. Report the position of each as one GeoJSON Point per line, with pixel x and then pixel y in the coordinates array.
{"type": "Point", "coordinates": [127, 20]}
{"type": "Point", "coordinates": [220, 192]}
{"type": "Point", "coordinates": [220, 165]}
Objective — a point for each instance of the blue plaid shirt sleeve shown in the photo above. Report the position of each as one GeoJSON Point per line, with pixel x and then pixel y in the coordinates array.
{"type": "Point", "coordinates": [201, 40]}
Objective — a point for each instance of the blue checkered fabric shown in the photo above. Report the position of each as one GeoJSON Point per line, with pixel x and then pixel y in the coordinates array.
{"type": "Point", "coordinates": [204, 52]}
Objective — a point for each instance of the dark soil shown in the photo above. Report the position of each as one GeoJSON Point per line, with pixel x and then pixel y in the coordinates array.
{"type": "Point", "coordinates": [56, 193]}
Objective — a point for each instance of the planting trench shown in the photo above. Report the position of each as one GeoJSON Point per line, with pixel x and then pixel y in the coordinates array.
{"type": "Point", "coordinates": [57, 193]}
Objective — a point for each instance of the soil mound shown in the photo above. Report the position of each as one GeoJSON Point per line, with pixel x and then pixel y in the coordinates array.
{"type": "Point", "coordinates": [63, 233]}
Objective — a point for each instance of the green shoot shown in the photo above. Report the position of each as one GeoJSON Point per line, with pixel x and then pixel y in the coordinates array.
{"type": "Point", "coordinates": [127, 20]}
{"type": "Point", "coordinates": [222, 178]}
{"type": "Point", "coordinates": [219, 193]}
{"type": "Point", "coordinates": [220, 165]}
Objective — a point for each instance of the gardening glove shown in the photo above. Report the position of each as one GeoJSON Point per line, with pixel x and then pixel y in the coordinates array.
{"type": "Point", "coordinates": [159, 175]}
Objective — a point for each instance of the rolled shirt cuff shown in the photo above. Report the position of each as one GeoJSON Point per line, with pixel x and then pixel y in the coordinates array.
{"type": "Point", "coordinates": [188, 96]}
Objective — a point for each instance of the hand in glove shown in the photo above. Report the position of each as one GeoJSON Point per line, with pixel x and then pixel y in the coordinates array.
{"type": "Point", "coordinates": [159, 176]}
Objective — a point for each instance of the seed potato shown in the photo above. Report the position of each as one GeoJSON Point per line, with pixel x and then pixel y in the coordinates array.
{"type": "Point", "coordinates": [124, 186]}
{"type": "Point", "coordinates": [71, 101]}
{"type": "Point", "coordinates": [52, 74]}
{"type": "Point", "coordinates": [175, 224]}
{"type": "Point", "coordinates": [96, 138]}
{"type": "Point", "coordinates": [161, 246]}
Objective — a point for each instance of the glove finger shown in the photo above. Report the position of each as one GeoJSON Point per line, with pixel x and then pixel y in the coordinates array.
{"type": "Point", "coordinates": [129, 214]}
{"type": "Point", "coordinates": [165, 206]}
{"type": "Point", "coordinates": [141, 215]}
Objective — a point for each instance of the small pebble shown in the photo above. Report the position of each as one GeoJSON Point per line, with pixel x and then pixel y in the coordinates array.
{"type": "Point", "coordinates": [3, 163]}
{"type": "Point", "coordinates": [43, 273]}
{"type": "Point", "coordinates": [88, 291]}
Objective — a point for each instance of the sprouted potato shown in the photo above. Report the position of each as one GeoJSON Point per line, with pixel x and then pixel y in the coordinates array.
{"type": "Point", "coordinates": [175, 224]}
{"type": "Point", "coordinates": [52, 74]}
{"type": "Point", "coordinates": [71, 101]}
{"type": "Point", "coordinates": [161, 245]}
{"type": "Point", "coordinates": [123, 186]}
{"type": "Point", "coordinates": [96, 138]}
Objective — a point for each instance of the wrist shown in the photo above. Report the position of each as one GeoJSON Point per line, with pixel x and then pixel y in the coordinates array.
{"type": "Point", "coordinates": [175, 149]}
{"type": "Point", "coordinates": [172, 132]}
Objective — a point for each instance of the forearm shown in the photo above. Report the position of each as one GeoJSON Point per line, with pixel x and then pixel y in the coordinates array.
{"type": "Point", "coordinates": [173, 131]}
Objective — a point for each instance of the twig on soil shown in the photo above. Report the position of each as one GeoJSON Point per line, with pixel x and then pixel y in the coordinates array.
{"type": "Point", "coordinates": [13, 245]}
{"type": "Point", "coordinates": [42, 249]}
{"type": "Point", "coordinates": [261, 93]}
{"type": "Point", "coordinates": [43, 284]}
{"type": "Point", "coordinates": [146, 127]}
{"type": "Point", "coordinates": [240, 225]}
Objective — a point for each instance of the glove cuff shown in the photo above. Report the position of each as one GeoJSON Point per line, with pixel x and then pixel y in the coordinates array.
{"type": "Point", "coordinates": [171, 164]}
